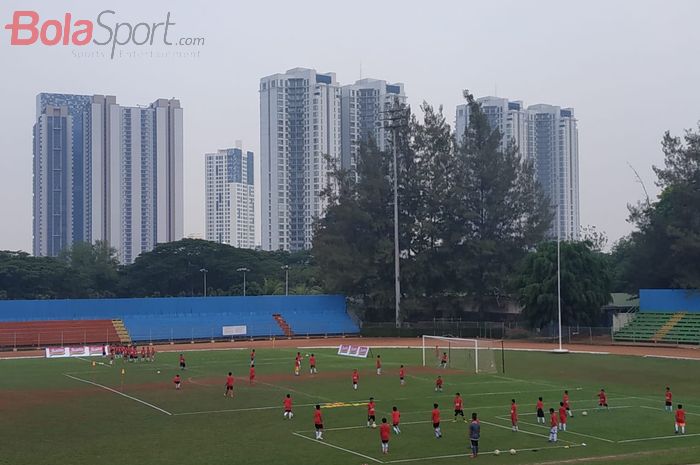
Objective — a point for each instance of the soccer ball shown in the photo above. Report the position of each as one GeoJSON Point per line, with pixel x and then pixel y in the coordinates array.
{"type": "Point", "coordinates": [584, 413]}
{"type": "Point", "coordinates": [497, 452]}
{"type": "Point", "coordinates": [512, 452]}
{"type": "Point", "coordinates": [158, 371]}
{"type": "Point", "coordinates": [583, 444]}
{"type": "Point", "coordinates": [374, 425]}
{"type": "Point", "coordinates": [566, 447]}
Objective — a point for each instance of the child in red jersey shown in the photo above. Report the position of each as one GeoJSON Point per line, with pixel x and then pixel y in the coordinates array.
{"type": "Point", "coordinates": [229, 385]}
{"type": "Point", "coordinates": [459, 407]}
{"type": "Point", "coordinates": [436, 421]}
{"type": "Point", "coordinates": [562, 417]}
{"type": "Point", "coordinates": [602, 399]}
{"type": "Point", "coordinates": [288, 407]}
{"type": "Point", "coordinates": [553, 425]}
{"type": "Point", "coordinates": [565, 399]}
{"type": "Point", "coordinates": [318, 423]}
{"type": "Point", "coordinates": [680, 420]}
{"type": "Point", "coordinates": [396, 419]}
{"type": "Point", "coordinates": [371, 412]}
{"type": "Point", "coordinates": [384, 434]}
{"type": "Point", "coordinates": [177, 381]}
{"type": "Point", "coordinates": [443, 360]}
{"type": "Point", "coordinates": [251, 375]}
{"type": "Point", "coordinates": [379, 365]}
{"type": "Point", "coordinates": [668, 397]}
{"type": "Point", "coordinates": [182, 362]}
{"type": "Point", "coordinates": [402, 375]}
{"type": "Point", "coordinates": [312, 364]}
{"type": "Point", "coordinates": [514, 415]}
{"type": "Point", "coordinates": [153, 354]}
{"type": "Point", "coordinates": [540, 410]}
{"type": "Point", "coordinates": [252, 357]}
{"type": "Point", "coordinates": [143, 353]}
{"type": "Point", "coordinates": [355, 378]}
{"type": "Point", "coordinates": [438, 384]}
{"type": "Point", "coordinates": [297, 367]}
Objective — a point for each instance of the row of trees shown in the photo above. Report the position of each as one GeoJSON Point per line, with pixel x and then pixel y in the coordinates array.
{"type": "Point", "coordinates": [171, 269]}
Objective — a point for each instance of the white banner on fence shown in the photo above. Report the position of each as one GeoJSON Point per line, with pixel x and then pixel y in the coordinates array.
{"type": "Point", "coordinates": [241, 330]}
{"type": "Point", "coordinates": [76, 351]}
{"type": "Point", "coordinates": [353, 351]}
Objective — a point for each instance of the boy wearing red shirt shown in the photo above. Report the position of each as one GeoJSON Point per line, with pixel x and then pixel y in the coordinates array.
{"type": "Point", "coordinates": [251, 375]}
{"type": "Point", "coordinates": [384, 435]}
{"type": "Point", "coordinates": [514, 414]}
{"type": "Point", "coordinates": [176, 381]}
{"type": "Point", "coordinates": [443, 360]}
{"type": "Point", "coordinates": [371, 412]}
{"type": "Point", "coordinates": [182, 362]}
{"type": "Point", "coordinates": [318, 423]}
{"type": "Point", "coordinates": [355, 379]}
{"type": "Point", "coordinates": [565, 399]}
{"type": "Point", "coordinates": [459, 407]}
{"type": "Point", "coordinates": [143, 353]}
{"type": "Point", "coordinates": [680, 419]}
{"type": "Point", "coordinates": [402, 375]}
{"type": "Point", "coordinates": [602, 399]}
{"type": "Point", "coordinates": [436, 421]}
{"type": "Point", "coordinates": [669, 399]}
{"type": "Point", "coordinates": [379, 365]}
{"type": "Point", "coordinates": [438, 384]}
{"type": "Point", "coordinates": [553, 425]}
{"type": "Point", "coordinates": [229, 385]}
{"type": "Point", "coordinates": [288, 407]}
{"type": "Point", "coordinates": [252, 357]}
{"type": "Point", "coordinates": [562, 417]}
{"type": "Point", "coordinates": [540, 410]}
{"type": "Point", "coordinates": [395, 419]}
{"type": "Point", "coordinates": [312, 364]}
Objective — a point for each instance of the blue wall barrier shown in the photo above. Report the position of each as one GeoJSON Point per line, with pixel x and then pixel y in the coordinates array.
{"type": "Point", "coordinates": [195, 317]}
{"type": "Point", "coordinates": [669, 300]}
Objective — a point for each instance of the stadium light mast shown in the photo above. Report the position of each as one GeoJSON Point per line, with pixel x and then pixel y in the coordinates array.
{"type": "Point", "coordinates": [397, 119]}
{"type": "Point", "coordinates": [204, 272]}
{"type": "Point", "coordinates": [243, 270]}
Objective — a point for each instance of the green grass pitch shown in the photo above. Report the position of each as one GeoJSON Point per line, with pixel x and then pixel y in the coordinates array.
{"type": "Point", "coordinates": [66, 411]}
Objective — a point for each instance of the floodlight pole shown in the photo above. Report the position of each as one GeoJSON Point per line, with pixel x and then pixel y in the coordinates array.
{"type": "Point", "coordinates": [243, 270]}
{"type": "Point", "coordinates": [204, 273]}
{"type": "Point", "coordinates": [561, 349]}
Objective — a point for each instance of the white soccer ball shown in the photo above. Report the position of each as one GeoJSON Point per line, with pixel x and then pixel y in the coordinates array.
{"type": "Point", "coordinates": [374, 425]}
{"type": "Point", "coordinates": [497, 452]}
{"type": "Point", "coordinates": [583, 444]}
{"type": "Point", "coordinates": [584, 413]}
{"type": "Point", "coordinates": [158, 371]}
{"type": "Point", "coordinates": [566, 447]}
{"type": "Point", "coordinates": [513, 452]}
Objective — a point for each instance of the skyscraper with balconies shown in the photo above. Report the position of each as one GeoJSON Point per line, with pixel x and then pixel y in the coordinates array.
{"type": "Point", "coordinates": [300, 145]}
{"type": "Point", "coordinates": [230, 197]}
{"type": "Point", "coordinates": [106, 172]}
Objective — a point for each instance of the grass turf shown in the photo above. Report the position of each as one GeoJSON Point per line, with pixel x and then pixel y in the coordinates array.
{"type": "Point", "coordinates": [52, 413]}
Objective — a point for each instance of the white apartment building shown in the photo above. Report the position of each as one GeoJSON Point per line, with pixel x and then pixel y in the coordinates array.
{"type": "Point", "coordinates": [230, 197]}
{"type": "Point", "coordinates": [300, 144]}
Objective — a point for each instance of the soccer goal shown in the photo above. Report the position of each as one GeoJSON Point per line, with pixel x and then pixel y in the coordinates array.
{"type": "Point", "coordinates": [462, 354]}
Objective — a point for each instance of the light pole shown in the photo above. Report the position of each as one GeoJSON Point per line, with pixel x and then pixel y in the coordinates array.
{"type": "Point", "coordinates": [286, 279]}
{"type": "Point", "coordinates": [204, 272]}
{"type": "Point", "coordinates": [397, 120]}
{"type": "Point", "coordinates": [561, 349]}
{"type": "Point", "coordinates": [243, 270]}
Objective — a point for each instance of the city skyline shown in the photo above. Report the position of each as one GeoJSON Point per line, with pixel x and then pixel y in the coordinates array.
{"type": "Point", "coordinates": [624, 105]}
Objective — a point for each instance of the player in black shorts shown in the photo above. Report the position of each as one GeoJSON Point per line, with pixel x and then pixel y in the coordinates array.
{"type": "Point", "coordinates": [540, 411]}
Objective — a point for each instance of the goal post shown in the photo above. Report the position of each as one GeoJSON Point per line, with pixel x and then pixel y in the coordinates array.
{"type": "Point", "coordinates": [473, 355]}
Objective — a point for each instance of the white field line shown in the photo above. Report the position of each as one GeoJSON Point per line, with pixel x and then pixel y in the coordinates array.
{"type": "Point", "coordinates": [491, 452]}
{"type": "Point", "coordinates": [253, 409]}
{"type": "Point", "coordinates": [23, 357]}
{"type": "Point", "coordinates": [96, 362]}
{"type": "Point", "coordinates": [521, 431]}
{"type": "Point", "coordinates": [659, 437]}
{"type": "Point", "coordinates": [656, 399]}
{"type": "Point", "coordinates": [344, 428]}
{"type": "Point", "coordinates": [201, 350]}
{"type": "Point", "coordinates": [338, 447]}
{"type": "Point", "coordinates": [672, 357]}
{"type": "Point", "coordinates": [479, 394]}
{"type": "Point", "coordinates": [526, 381]}
{"type": "Point", "coordinates": [120, 393]}
{"type": "Point", "coordinates": [567, 431]}
{"type": "Point", "coordinates": [578, 409]}
{"type": "Point", "coordinates": [296, 391]}
{"type": "Point", "coordinates": [662, 410]}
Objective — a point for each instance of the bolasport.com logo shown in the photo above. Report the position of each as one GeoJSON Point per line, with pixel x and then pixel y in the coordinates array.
{"type": "Point", "coordinates": [111, 36]}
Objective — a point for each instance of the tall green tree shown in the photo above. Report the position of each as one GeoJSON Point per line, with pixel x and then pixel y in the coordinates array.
{"type": "Point", "coordinates": [25, 277]}
{"type": "Point", "coordinates": [585, 284]}
{"type": "Point", "coordinates": [664, 250]}
{"type": "Point", "coordinates": [499, 210]}
{"type": "Point", "coordinates": [94, 269]}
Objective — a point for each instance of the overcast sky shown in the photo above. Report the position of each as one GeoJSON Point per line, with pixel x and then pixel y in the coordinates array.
{"type": "Point", "coordinates": [630, 69]}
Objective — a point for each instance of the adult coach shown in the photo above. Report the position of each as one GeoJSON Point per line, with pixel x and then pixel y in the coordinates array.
{"type": "Point", "coordinates": [474, 435]}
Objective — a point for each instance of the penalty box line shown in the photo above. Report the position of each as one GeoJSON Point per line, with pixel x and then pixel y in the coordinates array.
{"type": "Point", "coordinates": [155, 407]}
{"type": "Point", "coordinates": [327, 444]}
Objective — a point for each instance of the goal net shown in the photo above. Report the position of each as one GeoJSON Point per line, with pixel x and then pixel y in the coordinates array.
{"type": "Point", "coordinates": [474, 355]}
